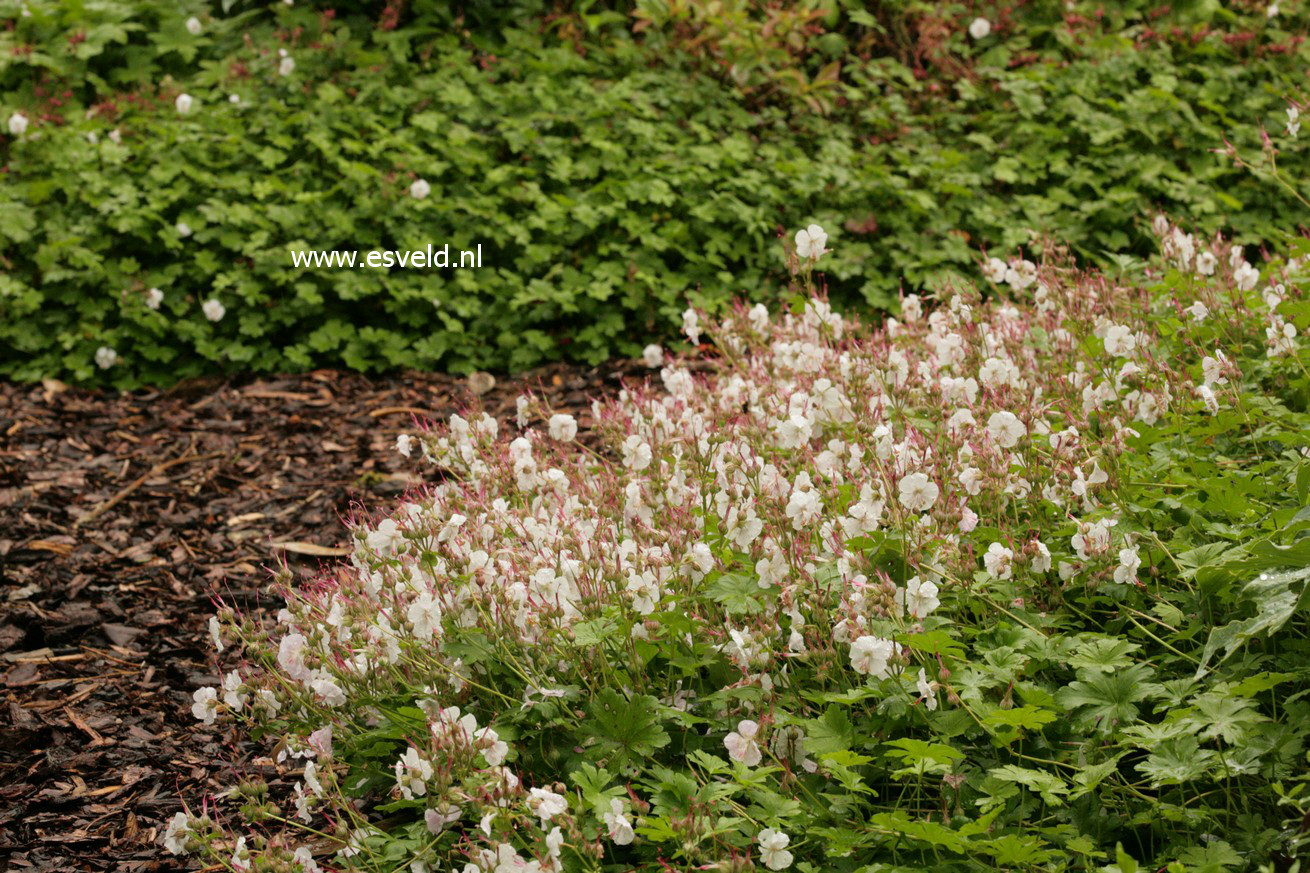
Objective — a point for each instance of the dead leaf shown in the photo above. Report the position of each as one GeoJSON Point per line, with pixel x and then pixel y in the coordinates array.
{"type": "Point", "coordinates": [312, 549]}
{"type": "Point", "coordinates": [50, 546]}
{"type": "Point", "coordinates": [480, 383]}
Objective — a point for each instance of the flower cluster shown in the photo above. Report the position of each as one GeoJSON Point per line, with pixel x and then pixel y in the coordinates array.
{"type": "Point", "coordinates": [803, 513]}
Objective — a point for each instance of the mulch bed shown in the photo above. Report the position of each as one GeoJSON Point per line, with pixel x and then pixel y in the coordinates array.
{"type": "Point", "coordinates": [120, 517]}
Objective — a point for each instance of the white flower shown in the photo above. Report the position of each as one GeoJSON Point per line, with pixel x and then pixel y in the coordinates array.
{"type": "Point", "coordinates": [234, 99]}
{"type": "Point", "coordinates": [1129, 561]}
{"type": "Point", "coordinates": [1271, 11]}
{"type": "Point", "coordinates": [1207, 395]}
{"type": "Point", "coordinates": [691, 325]}
{"type": "Point", "coordinates": [205, 706]}
{"type": "Point", "coordinates": [193, 26]}
{"type": "Point", "coordinates": [870, 656]}
{"type": "Point", "coordinates": [494, 749]}
{"type": "Point", "coordinates": [305, 859]}
{"type": "Point", "coordinates": [742, 745]}
{"type": "Point", "coordinates": [920, 597]}
{"type": "Point", "coordinates": [178, 833]}
{"type": "Point", "coordinates": [980, 28]}
{"type": "Point", "coordinates": [773, 849]}
{"type": "Point", "coordinates": [1021, 274]}
{"type": "Point", "coordinates": [794, 431]}
{"type": "Point", "coordinates": [154, 298]}
{"type": "Point", "coordinates": [804, 506]}
{"type": "Point", "coordinates": [18, 124]}
{"type": "Point", "coordinates": [214, 310]}
{"type": "Point", "coordinates": [437, 819]}
{"type": "Point", "coordinates": [1293, 119]}
{"type": "Point", "coordinates": [183, 229]}
{"type": "Point", "coordinates": [811, 242]}
{"type": "Point", "coordinates": [1006, 429]}
{"type": "Point", "coordinates": [563, 427]}
{"type": "Point", "coordinates": [412, 774]}
{"type": "Point", "coordinates": [1119, 340]}
{"type": "Point", "coordinates": [1198, 311]}
{"type": "Point", "coordinates": [644, 591]}
{"type": "Point", "coordinates": [653, 356]}
{"type": "Point", "coordinates": [927, 690]}
{"type": "Point", "coordinates": [1205, 263]}
{"type": "Point", "coordinates": [405, 444]}
{"type": "Point", "coordinates": [1246, 276]}
{"type": "Point", "coordinates": [106, 357]}
{"type": "Point", "coordinates": [233, 696]}
{"type": "Point", "coordinates": [424, 616]}
{"type": "Point", "coordinates": [1041, 562]}
{"type": "Point", "coordinates": [620, 826]}
{"type": "Point", "coordinates": [918, 493]}
{"type": "Point", "coordinates": [1212, 369]}
{"type": "Point", "coordinates": [636, 453]}
{"type": "Point", "coordinates": [216, 632]}
{"type": "Point", "coordinates": [286, 66]}
{"type": "Point", "coordinates": [547, 804]}
{"type": "Point", "coordinates": [994, 270]}
{"type": "Point", "coordinates": [999, 561]}
{"type": "Point", "coordinates": [1092, 539]}
{"type": "Point", "coordinates": [419, 189]}
{"type": "Point", "coordinates": [386, 538]}
{"type": "Point", "coordinates": [328, 691]}
{"type": "Point", "coordinates": [184, 102]}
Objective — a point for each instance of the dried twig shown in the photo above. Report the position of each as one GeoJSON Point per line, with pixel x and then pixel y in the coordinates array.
{"type": "Point", "coordinates": [138, 482]}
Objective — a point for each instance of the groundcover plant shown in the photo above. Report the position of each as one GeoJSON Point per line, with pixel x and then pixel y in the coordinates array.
{"type": "Point", "coordinates": [162, 162]}
{"type": "Point", "coordinates": [1016, 580]}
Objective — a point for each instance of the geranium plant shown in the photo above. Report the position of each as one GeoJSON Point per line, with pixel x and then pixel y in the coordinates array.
{"type": "Point", "coordinates": [1014, 580]}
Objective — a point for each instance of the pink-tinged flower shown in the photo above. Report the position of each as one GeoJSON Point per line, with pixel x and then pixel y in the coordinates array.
{"type": "Point", "coordinates": [811, 242]}
{"type": "Point", "coordinates": [999, 561]}
{"type": "Point", "coordinates": [918, 493]}
{"type": "Point", "coordinates": [178, 834]}
{"type": "Point", "coordinates": [1006, 429]}
{"type": "Point", "coordinates": [547, 804]}
{"type": "Point", "coordinates": [1120, 341]}
{"type": "Point", "coordinates": [563, 427]}
{"type": "Point", "coordinates": [871, 656]}
{"type": "Point", "coordinates": [619, 824]}
{"type": "Point", "coordinates": [742, 744]}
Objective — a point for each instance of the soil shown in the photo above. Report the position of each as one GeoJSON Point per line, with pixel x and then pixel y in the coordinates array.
{"type": "Point", "coordinates": [121, 518]}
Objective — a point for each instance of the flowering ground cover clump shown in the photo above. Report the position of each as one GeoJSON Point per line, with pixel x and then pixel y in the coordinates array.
{"type": "Point", "coordinates": [1015, 580]}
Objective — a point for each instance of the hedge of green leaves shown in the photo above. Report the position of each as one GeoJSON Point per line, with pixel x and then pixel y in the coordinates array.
{"type": "Point", "coordinates": [609, 178]}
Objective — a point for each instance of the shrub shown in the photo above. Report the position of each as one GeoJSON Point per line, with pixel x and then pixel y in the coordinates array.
{"type": "Point", "coordinates": [609, 177]}
{"type": "Point", "coordinates": [1016, 582]}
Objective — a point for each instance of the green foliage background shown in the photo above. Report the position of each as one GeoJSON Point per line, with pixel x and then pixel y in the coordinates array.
{"type": "Point", "coordinates": [614, 162]}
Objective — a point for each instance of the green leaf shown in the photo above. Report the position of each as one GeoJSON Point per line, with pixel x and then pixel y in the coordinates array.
{"type": "Point", "coordinates": [1107, 699]}
{"type": "Point", "coordinates": [1177, 760]}
{"type": "Point", "coordinates": [624, 729]}
{"type": "Point", "coordinates": [833, 732]}
{"type": "Point", "coordinates": [1277, 596]}
{"type": "Point", "coordinates": [1051, 788]}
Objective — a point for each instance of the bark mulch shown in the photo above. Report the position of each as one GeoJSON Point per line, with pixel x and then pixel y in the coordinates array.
{"type": "Point", "coordinates": [120, 516]}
